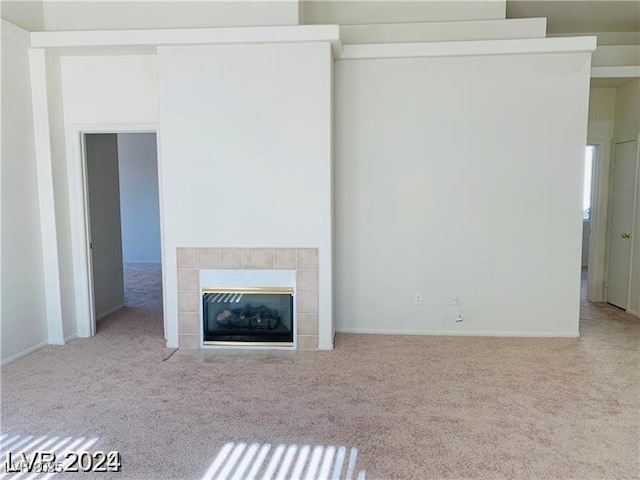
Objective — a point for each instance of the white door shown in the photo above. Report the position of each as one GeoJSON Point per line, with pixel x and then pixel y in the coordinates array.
{"type": "Point", "coordinates": [621, 223]}
{"type": "Point", "coordinates": [104, 222]}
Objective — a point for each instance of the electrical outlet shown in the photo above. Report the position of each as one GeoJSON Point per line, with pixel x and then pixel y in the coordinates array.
{"type": "Point", "coordinates": [417, 299]}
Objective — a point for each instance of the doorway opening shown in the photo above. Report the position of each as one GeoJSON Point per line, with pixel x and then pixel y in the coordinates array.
{"type": "Point", "coordinates": [123, 223]}
{"type": "Point", "coordinates": [588, 194]}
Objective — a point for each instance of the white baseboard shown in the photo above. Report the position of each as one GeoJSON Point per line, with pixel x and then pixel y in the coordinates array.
{"type": "Point", "coordinates": [70, 337]}
{"type": "Point", "coordinates": [29, 350]}
{"type": "Point", "coordinates": [458, 333]}
{"type": "Point", "coordinates": [109, 312]}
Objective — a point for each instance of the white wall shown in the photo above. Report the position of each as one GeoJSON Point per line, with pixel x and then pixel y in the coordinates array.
{"type": "Point", "coordinates": [101, 93]}
{"type": "Point", "coordinates": [451, 179]}
{"type": "Point", "coordinates": [104, 215]}
{"type": "Point", "coordinates": [627, 127]}
{"type": "Point", "coordinates": [246, 154]}
{"type": "Point", "coordinates": [23, 325]}
{"type": "Point", "coordinates": [110, 89]}
{"type": "Point", "coordinates": [345, 12]}
{"type": "Point", "coordinates": [125, 15]}
{"type": "Point", "coordinates": [627, 111]}
{"type": "Point", "coordinates": [602, 103]}
{"type": "Point", "coordinates": [139, 207]}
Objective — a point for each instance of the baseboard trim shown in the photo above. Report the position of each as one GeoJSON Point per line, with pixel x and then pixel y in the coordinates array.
{"type": "Point", "coordinates": [22, 354]}
{"type": "Point", "coordinates": [458, 333]}
{"type": "Point", "coordinates": [70, 337]}
{"type": "Point", "coordinates": [109, 312]}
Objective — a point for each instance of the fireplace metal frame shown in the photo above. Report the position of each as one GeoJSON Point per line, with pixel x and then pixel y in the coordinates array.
{"type": "Point", "coordinates": [250, 291]}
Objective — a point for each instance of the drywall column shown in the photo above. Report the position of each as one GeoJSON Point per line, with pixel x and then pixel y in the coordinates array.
{"type": "Point", "coordinates": [38, 70]}
{"type": "Point", "coordinates": [246, 155]}
{"type": "Point", "coordinates": [22, 295]}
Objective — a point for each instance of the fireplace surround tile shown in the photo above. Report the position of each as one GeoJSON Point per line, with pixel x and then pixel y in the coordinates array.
{"type": "Point", "coordinates": [231, 258]}
{"type": "Point", "coordinates": [307, 342]}
{"type": "Point", "coordinates": [187, 258]}
{"type": "Point", "coordinates": [307, 324]}
{"type": "Point", "coordinates": [189, 342]}
{"type": "Point", "coordinates": [307, 280]}
{"type": "Point", "coordinates": [247, 256]}
{"type": "Point", "coordinates": [191, 260]}
{"type": "Point", "coordinates": [188, 280]}
{"type": "Point", "coordinates": [188, 302]}
{"type": "Point", "coordinates": [262, 258]}
{"type": "Point", "coordinates": [210, 257]}
{"type": "Point", "coordinates": [189, 323]}
{"type": "Point", "coordinates": [307, 302]}
{"type": "Point", "coordinates": [307, 258]}
{"type": "Point", "coordinates": [285, 258]}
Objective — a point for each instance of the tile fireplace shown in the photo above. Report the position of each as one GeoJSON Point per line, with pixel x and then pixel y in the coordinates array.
{"type": "Point", "coordinates": [248, 298]}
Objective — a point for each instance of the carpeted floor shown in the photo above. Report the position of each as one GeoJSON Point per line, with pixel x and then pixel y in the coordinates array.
{"type": "Point", "coordinates": [414, 407]}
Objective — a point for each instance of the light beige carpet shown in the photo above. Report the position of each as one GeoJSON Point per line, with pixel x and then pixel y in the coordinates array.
{"type": "Point", "coordinates": [414, 407]}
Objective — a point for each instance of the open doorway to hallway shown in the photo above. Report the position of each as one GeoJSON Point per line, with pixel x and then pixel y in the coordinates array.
{"type": "Point", "coordinates": [124, 225]}
{"type": "Point", "coordinates": [587, 211]}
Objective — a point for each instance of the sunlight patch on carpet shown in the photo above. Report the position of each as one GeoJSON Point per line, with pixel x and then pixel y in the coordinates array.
{"type": "Point", "coordinates": [241, 461]}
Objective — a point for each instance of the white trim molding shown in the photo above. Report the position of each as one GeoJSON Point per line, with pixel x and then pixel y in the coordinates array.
{"type": "Point", "coordinates": [23, 353]}
{"type": "Point", "coordinates": [444, 31]}
{"type": "Point", "coordinates": [634, 296]}
{"type": "Point", "coordinates": [458, 333]}
{"type": "Point", "coordinates": [615, 72]}
{"type": "Point", "coordinates": [470, 48]}
{"type": "Point", "coordinates": [70, 337]}
{"type": "Point", "coordinates": [189, 36]}
{"type": "Point", "coordinates": [44, 172]}
{"type": "Point", "coordinates": [110, 311]}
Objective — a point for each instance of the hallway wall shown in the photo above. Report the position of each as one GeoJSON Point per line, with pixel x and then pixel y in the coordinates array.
{"type": "Point", "coordinates": [139, 206]}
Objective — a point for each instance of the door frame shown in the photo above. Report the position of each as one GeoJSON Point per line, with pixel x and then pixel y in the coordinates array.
{"type": "Point", "coordinates": [79, 217]}
{"type": "Point", "coordinates": [633, 218]}
{"type": "Point", "coordinates": [598, 240]}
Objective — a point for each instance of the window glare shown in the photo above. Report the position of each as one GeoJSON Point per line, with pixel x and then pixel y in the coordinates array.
{"type": "Point", "coordinates": [588, 172]}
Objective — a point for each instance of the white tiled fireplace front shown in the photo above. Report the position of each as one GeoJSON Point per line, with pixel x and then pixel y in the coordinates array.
{"type": "Point", "coordinates": [198, 265]}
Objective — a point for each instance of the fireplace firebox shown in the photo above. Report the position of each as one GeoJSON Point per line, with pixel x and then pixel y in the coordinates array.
{"type": "Point", "coordinates": [248, 316]}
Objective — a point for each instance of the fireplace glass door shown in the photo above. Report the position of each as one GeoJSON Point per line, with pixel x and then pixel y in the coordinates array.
{"type": "Point", "coordinates": [248, 316]}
